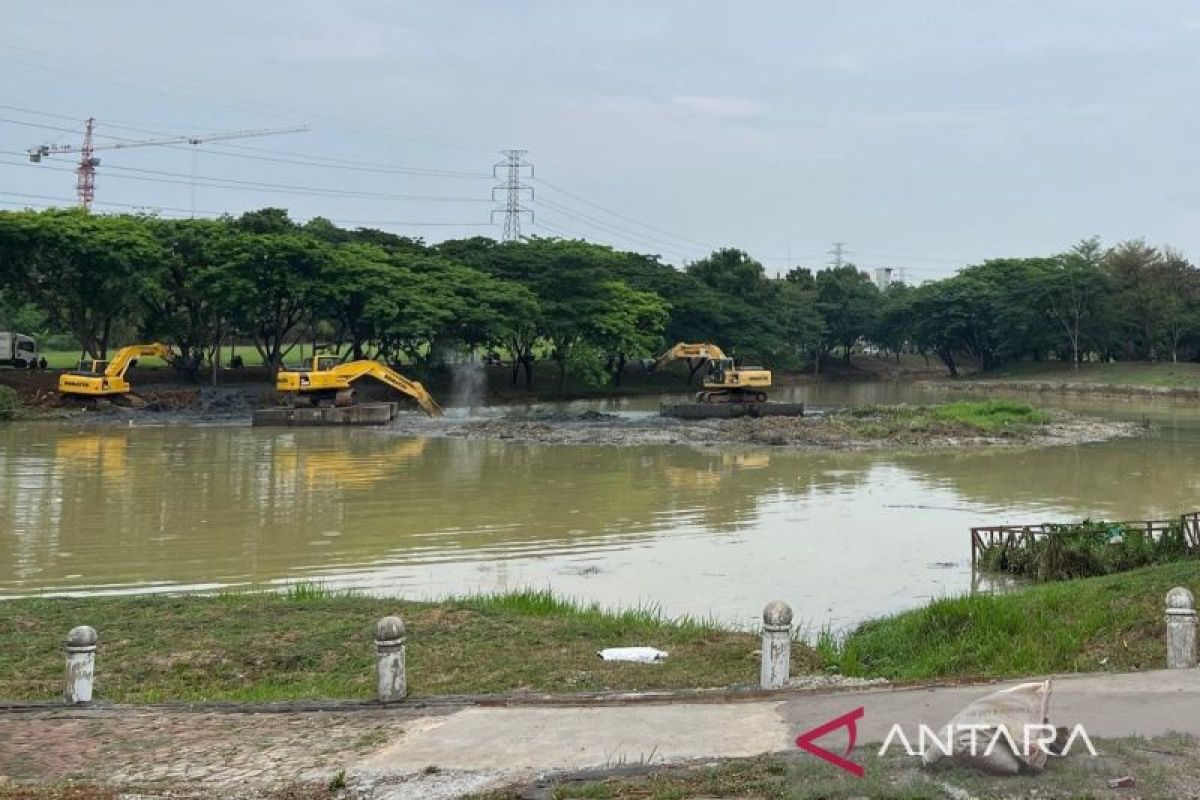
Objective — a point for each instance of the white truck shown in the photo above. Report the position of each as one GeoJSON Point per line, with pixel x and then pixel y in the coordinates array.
{"type": "Point", "coordinates": [17, 350]}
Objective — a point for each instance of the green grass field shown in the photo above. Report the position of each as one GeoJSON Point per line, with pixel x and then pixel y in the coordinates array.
{"type": "Point", "coordinates": [310, 643]}
{"type": "Point", "coordinates": [69, 359]}
{"type": "Point", "coordinates": [915, 424]}
{"type": "Point", "coordinates": [1137, 373]}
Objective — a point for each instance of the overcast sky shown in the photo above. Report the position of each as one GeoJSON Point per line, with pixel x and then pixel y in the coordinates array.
{"type": "Point", "coordinates": [926, 135]}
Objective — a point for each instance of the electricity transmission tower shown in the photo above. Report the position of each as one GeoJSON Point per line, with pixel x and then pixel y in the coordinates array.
{"type": "Point", "coordinates": [514, 166]}
{"type": "Point", "coordinates": [85, 172]}
{"type": "Point", "coordinates": [839, 252]}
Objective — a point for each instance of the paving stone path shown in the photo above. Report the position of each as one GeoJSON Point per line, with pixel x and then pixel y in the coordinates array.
{"type": "Point", "coordinates": [225, 752]}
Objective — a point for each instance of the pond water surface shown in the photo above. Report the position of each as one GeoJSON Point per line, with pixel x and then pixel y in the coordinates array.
{"type": "Point", "coordinates": [841, 536]}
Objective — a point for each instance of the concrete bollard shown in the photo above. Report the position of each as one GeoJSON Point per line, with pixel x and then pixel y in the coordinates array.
{"type": "Point", "coordinates": [1181, 629]}
{"type": "Point", "coordinates": [81, 664]}
{"type": "Point", "coordinates": [392, 683]}
{"type": "Point", "coordinates": [776, 645]}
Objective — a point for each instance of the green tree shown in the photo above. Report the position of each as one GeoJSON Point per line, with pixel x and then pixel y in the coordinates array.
{"type": "Point", "coordinates": [848, 301]}
{"type": "Point", "coordinates": [266, 283]}
{"type": "Point", "coordinates": [795, 308]}
{"type": "Point", "coordinates": [895, 322]}
{"type": "Point", "coordinates": [940, 320]}
{"type": "Point", "coordinates": [629, 324]}
{"type": "Point", "coordinates": [85, 272]}
{"type": "Point", "coordinates": [1139, 297]}
{"type": "Point", "coordinates": [1074, 287]}
{"type": "Point", "coordinates": [1179, 311]}
{"type": "Point", "coordinates": [734, 273]}
{"type": "Point", "coordinates": [352, 290]}
{"type": "Point", "coordinates": [181, 306]}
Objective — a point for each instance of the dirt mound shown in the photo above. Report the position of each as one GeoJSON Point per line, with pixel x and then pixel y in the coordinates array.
{"type": "Point", "coordinates": [827, 432]}
{"type": "Point", "coordinates": [170, 399]}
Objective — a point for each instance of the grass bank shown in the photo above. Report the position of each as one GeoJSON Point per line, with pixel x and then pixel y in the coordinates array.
{"type": "Point", "coordinates": [1133, 373]}
{"type": "Point", "coordinates": [314, 644]}
{"type": "Point", "coordinates": [1110, 623]}
{"type": "Point", "coordinates": [990, 417]}
{"type": "Point", "coordinates": [873, 425]}
{"type": "Point", "coordinates": [310, 643]}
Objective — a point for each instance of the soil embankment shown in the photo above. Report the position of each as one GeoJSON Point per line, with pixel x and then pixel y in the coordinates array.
{"type": "Point", "coordinates": [252, 387]}
{"type": "Point", "coordinates": [164, 397]}
{"type": "Point", "coordinates": [826, 432]}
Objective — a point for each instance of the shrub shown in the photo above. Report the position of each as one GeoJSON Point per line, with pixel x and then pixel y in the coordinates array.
{"type": "Point", "coordinates": [1085, 550]}
{"type": "Point", "coordinates": [8, 402]}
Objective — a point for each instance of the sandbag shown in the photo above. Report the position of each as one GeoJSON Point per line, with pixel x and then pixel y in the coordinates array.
{"type": "Point", "coordinates": [1022, 712]}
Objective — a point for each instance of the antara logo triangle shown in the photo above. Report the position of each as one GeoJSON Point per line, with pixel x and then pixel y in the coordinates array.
{"type": "Point", "coordinates": [806, 741]}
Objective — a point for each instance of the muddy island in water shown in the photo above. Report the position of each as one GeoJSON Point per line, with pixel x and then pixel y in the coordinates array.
{"type": "Point", "coordinates": [966, 424]}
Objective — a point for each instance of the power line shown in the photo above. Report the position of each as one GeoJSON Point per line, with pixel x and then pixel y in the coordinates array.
{"type": "Point", "coordinates": [619, 215]}
{"type": "Point", "coordinates": [104, 203]}
{"type": "Point", "coordinates": [557, 231]}
{"type": "Point", "coordinates": [41, 125]}
{"type": "Point", "coordinates": [641, 239]}
{"type": "Point", "coordinates": [373, 222]}
{"type": "Point", "coordinates": [916, 258]}
{"type": "Point", "coordinates": [295, 158]}
{"type": "Point", "coordinates": [614, 238]}
{"type": "Point", "coordinates": [242, 185]}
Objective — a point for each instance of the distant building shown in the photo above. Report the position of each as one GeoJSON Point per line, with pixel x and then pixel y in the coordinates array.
{"type": "Point", "coordinates": [883, 277]}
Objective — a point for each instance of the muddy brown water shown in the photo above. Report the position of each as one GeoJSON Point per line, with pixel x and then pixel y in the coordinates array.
{"type": "Point", "coordinates": [714, 532]}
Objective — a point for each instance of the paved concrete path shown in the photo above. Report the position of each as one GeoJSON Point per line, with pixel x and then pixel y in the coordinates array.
{"type": "Point", "coordinates": [387, 752]}
{"type": "Point", "coordinates": [560, 738]}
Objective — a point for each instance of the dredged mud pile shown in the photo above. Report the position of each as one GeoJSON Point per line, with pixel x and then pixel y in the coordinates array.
{"type": "Point", "coordinates": [820, 432]}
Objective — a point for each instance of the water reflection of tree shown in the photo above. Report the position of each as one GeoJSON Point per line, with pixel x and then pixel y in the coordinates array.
{"type": "Point", "coordinates": [1144, 477]}
{"type": "Point", "coordinates": [201, 504]}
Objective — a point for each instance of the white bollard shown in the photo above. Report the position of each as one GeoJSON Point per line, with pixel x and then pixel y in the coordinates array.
{"type": "Point", "coordinates": [81, 664]}
{"type": "Point", "coordinates": [1181, 629]}
{"type": "Point", "coordinates": [392, 683]}
{"type": "Point", "coordinates": [776, 645]}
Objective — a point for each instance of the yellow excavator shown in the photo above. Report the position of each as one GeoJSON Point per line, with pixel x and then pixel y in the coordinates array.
{"type": "Point", "coordinates": [725, 382]}
{"type": "Point", "coordinates": [106, 379]}
{"type": "Point", "coordinates": [328, 381]}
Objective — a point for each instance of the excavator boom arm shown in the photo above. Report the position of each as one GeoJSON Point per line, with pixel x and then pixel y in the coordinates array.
{"type": "Point", "coordinates": [354, 370]}
{"type": "Point", "coordinates": [689, 351]}
{"type": "Point", "coordinates": [126, 355]}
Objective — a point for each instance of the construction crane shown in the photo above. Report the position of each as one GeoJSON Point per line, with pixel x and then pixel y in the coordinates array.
{"type": "Point", "coordinates": [85, 183]}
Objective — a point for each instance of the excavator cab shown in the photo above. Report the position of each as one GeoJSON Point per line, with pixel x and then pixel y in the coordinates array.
{"type": "Point", "coordinates": [718, 368]}
{"type": "Point", "coordinates": [89, 366]}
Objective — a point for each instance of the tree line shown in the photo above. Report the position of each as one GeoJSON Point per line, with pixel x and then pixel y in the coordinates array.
{"type": "Point", "coordinates": [589, 309]}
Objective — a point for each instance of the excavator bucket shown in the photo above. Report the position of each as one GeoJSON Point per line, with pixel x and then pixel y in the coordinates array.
{"type": "Point", "coordinates": [425, 400]}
